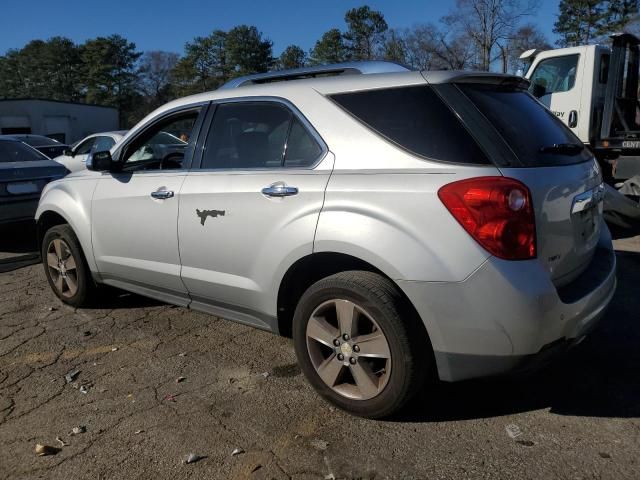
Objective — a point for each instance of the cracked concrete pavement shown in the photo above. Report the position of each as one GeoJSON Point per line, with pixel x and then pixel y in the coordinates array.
{"type": "Point", "coordinates": [576, 419]}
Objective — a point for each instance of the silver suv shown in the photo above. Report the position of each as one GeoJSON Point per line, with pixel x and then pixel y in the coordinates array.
{"type": "Point", "coordinates": [401, 227]}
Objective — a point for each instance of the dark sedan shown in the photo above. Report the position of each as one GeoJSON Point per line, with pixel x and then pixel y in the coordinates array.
{"type": "Point", "coordinates": [24, 172]}
{"type": "Point", "coordinates": [50, 147]}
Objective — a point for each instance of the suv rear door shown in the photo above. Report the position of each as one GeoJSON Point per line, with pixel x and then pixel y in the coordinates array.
{"type": "Point", "coordinates": [250, 207]}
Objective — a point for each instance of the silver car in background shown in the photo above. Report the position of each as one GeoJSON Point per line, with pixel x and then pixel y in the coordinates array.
{"type": "Point", "coordinates": [402, 226]}
{"type": "Point", "coordinates": [75, 157]}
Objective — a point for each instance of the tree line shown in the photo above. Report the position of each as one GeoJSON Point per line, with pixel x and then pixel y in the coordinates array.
{"type": "Point", "coordinates": [474, 35]}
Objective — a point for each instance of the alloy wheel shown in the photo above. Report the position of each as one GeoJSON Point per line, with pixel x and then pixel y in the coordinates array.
{"type": "Point", "coordinates": [348, 349]}
{"type": "Point", "coordinates": [62, 267]}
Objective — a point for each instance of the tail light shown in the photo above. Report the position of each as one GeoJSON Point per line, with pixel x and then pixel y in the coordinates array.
{"type": "Point", "coordinates": [497, 212]}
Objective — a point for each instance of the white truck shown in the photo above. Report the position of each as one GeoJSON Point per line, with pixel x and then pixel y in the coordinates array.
{"type": "Point", "coordinates": [594, 90]}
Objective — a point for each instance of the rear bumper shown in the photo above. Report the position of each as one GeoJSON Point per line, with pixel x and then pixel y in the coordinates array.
{"type": "Point", "coordinates": [509, 314]}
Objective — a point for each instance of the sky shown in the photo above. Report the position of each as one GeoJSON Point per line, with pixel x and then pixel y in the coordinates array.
{"type": "Point", "coordinates": [168, 24]}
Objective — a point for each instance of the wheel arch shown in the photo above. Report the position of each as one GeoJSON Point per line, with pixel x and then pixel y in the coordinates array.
{"type": "Point", "coordinates": [47, 220]}
{"type": "Point", "coordinates": [69, 201]}
{"type": "Point", "coordinates": [313, 267]}
{"type": "Point", "coordinates": [50, 216]}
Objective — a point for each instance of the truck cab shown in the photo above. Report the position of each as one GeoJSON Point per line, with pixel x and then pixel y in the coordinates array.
{"type": "Point", "coordinates": [593, 89]}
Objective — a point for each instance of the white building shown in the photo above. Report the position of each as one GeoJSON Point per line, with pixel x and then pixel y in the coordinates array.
{"type": "Point", "coordinates": [67, 122]}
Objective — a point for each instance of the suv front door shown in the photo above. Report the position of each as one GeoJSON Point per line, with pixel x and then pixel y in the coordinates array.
{"type": "Point", "coordinates": [135, 211]}
{"type": "Point", "coordinates": [252, 204]}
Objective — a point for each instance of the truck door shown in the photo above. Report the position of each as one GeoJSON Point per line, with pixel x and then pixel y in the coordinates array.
{"type": "Point", "coordinates": [556, 83]}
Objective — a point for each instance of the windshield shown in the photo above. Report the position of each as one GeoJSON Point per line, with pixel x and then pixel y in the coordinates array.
{"type": "Point", "coordinates": [13, 151]}
{"type": "Point", "coordinates": [534, 134]}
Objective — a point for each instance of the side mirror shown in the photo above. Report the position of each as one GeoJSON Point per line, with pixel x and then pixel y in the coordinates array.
{"type": "Point", "coordinates": [68, 152]}
{"type": "Point", "coordinates": [100, 162]}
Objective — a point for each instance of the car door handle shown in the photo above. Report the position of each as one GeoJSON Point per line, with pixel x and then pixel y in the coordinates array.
{"type": "Point", "coordinates": [162, 194]}
{"type": "Point", "coordinates": [279, 190]}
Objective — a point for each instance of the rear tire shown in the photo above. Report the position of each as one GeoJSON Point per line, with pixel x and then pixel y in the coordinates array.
{"type": "Point", "coordinates": [360, 345]}
{"type": "Point", "coordinates": [65, 266]}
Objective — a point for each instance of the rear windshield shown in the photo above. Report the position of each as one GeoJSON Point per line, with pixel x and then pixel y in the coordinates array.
{"type": "Point", "coordinates": [416, 119]}
{"type": "Point", "coordinates": [37, 141]}
{"type": "Point", "coordinates": [527, 126]}
{"type": "Point", "coordinates": [12, 151]}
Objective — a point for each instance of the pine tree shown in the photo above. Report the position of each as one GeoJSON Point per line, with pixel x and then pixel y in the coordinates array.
{"type": "Point", "coordinates": [365, 32]}
{"type": "Point", "coordinates": [292, 57]}
{"type": "Point", "coordinates": [580, 22]}
{"type": "Point", "coordinates": [618, 14]}
{"type": "Point", "coordinates": [329, 49]}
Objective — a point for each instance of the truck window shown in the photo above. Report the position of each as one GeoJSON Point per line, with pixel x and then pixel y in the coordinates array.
{"type": "Point", "coordinates": [554, 75]}
{"type": "Point", "coordinates": [604, 68]}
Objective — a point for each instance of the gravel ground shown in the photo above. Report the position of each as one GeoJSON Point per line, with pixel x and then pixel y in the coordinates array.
{"type": "Point", "coordinates": [163, 382]}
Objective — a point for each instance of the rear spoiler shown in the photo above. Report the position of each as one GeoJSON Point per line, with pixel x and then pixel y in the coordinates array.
{"type": "Point", "coordinates": [483, 78]}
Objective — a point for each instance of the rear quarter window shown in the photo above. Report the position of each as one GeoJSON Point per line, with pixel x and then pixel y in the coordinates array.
{"type": "Point", "coordinates": [416, 119]}
{"type": "Point", "coordinates": [526, 125]}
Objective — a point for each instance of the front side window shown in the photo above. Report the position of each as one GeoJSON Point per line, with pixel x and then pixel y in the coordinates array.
{"type": "Point", "coordinates": [103, 144]}
{"type": "Point", "coordinates": [85, 147]}
{"type": "Point", "coordinates": [249, 135]}
{"type": "Point", "coordinates": [554, 75]}
{"type": "Point", "coordinates": [164, 145]}
{"type": "Point", "coordinates": [416, 119]}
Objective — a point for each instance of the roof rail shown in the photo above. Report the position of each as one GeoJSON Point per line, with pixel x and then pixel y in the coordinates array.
{"type": "Point", "coordinates": [347, 68]}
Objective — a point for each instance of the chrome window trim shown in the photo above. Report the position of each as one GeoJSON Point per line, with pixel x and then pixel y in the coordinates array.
{"type": "Point", "coordinates": [264, 99]}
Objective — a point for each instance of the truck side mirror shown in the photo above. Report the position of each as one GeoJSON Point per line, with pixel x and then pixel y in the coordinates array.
{"type": "Point", "coordinates": [539, 90]}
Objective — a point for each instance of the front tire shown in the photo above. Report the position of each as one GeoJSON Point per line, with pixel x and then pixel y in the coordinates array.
{"type": "Point", "coordinates": [65, 266]}
{"type": "Point", "coordinates": [360, 346]}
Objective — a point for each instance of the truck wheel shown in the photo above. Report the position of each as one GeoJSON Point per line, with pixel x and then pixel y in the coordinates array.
{"type": "Point", "coordinates": [359, 345]}
{"type": "Point", "coordinates": [65, 266]}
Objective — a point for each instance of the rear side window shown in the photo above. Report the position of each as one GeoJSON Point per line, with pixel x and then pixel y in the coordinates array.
{"type": "Point", "coordinates": [416, 119]}
{"type": "Point", "coordinates": [38, 141]}
{"type": "Point", "coordinates": [11, 151]}
{"type": "Point", "coordinates": [527, 126]}
{"type": "Point", "coordinates": [248, 135]}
